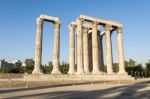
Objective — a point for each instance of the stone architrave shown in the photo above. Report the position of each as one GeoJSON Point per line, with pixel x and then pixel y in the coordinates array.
{"type": "Point", "coordinates": [108, 49]}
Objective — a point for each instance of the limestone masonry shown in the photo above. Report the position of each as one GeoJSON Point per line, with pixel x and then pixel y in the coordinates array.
{"type": "Point", "coordinates": [85, 48]}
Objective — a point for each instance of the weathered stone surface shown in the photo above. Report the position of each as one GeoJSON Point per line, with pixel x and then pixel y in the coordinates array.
{"type": "Point", "coordinates": [79, 47]}
{"type": "Point", "coordinates": [101, 21]}
{"type": "Point", "coordinates": [89, 48]}
{"type": "Point", "coordinates": [72, 50]}
{"type": "Point", "coordinates": [38, 50]}
{"type": "Point", "coordinates": [49, 18]}
{"type": "Point", "coordinates": [109, 59]}
{"type": "Point", "coordinates": [120, 51]}
{"type": "Point", "coordinates": [86, 51]}
{"type": "Point", "coordinates": [95, 49]}
{"type": "Point", "coordinates": [56, 49]}
{"type": "Point", "coordinates": [67, 77]}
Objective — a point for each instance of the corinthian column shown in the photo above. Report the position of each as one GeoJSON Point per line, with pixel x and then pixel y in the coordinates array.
{"type": "Point", "coordinates": [79, 47]}
{"type": "Point", "coordinates": [56, 48]}
{"type": "Point", "coordinates": [72, 50]}
{"type": "Point", "coordinates": [120, 51]}
{"type": "Point", "coordinates": [95, 49]}
{"type": "Point", "coordinates": [108, 49]}
{"type": "Point", "coordinates": [38, 49]}
{"type": "Point", "coordinates": [86, 51]}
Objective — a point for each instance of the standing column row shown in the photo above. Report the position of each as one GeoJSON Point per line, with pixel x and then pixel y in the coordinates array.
{"type": "Point", "coordinates": [38, 49]}
{"type": "Point", "coordinates": [109, 58]}
{"type": "Point", "coordinates": [83, 58]}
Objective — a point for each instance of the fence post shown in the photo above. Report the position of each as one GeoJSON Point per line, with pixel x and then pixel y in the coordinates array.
{"type": "Point", "coordinates": [9, 80]}
{"type": "Point", "coordinates": [27, 84]}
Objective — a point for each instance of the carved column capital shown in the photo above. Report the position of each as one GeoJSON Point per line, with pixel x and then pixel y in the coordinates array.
{"type": "Point", "coordinates": [72, 27]}
{"type": "Point", "coordinates": [80, 19]}
{"type": "Point", "coordinates": [39, 21]}
{"type": "Point", "coordinates": [108, 27]}
{"type": "Point", "coordinates": [119, 30]}
{"type": "Point", "coordinates": [57, 25]}
{"type": "Point", "coordinates": [95, 23]}
{"type": "Point", "coordinates": [85, 29]}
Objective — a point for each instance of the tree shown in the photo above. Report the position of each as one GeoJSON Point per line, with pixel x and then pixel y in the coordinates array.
{"type": "Point", "coordinates": [29, 65]}
{"type": "Point", "coordinates": [19, 68]}
{"type": "Point", "coordinates": [148, 65]}
{"type": "Point", "coordinates": [48, 69]}
{"type": "Point", "coordinates": [131, 63]}
{"type": "Point", "coordinates": [50, 63]}
{"type": "Point", "coordinates": [138, 68]}
{"type": "Point", "coordinates": [115, 67]}
{"type": "Point", "coordinates": [64, 67]}
{"type": "Point", "coordinates": [132, 66]}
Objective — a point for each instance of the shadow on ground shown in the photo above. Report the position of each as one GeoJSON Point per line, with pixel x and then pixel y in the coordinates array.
{"type": "Point", "coordinates": [134, 91]}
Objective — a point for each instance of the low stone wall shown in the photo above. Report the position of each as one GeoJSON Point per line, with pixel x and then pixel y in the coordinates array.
{"type": "Point", "coordinates": [64, 77]}
{"type": "Point", "coordinates": [5, 75]}
{"type": "Point", "coordinates": [49, 79]}
{"type": "Point", "coordinates": [67, 77]}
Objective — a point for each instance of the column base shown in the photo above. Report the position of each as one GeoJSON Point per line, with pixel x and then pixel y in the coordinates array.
{"type": "Point", "coordinates": [36, 71]}
{"type": "Point", "coordinates": [88, 72]}
{"type": "Point", "coordinates": [122, 73]}
{"type": "Point", "coordinates": [56, 72]}
{"type": "Point", "coordinates": [97, 72]}
{"type": "Point", "coordinates": [71, 72]}
{"type": "Point", "coordinates": [80, 73]}
{"type": "Point", "coordinates": [110, 73]}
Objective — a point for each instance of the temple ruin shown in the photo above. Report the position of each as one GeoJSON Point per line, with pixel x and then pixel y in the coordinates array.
{"type": "Point", "coordinates": [85, 48]}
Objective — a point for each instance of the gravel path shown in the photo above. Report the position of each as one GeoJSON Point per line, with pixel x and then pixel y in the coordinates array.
{"type": "Point", "coordinates": [88, 91]}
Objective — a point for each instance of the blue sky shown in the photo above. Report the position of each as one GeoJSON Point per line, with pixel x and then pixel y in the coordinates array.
{"type": "Point", "coordinates": [18, 26]}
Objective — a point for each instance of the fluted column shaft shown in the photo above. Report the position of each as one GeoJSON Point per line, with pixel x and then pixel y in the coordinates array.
{"type": "Point", "coordinates": [72, 50]}
{"type": "Point", "coordinates": [101, 61]}
{"type": "Point", "coordinates": [38, 49]}
{"type": "Point", "coordinates": [108, 49]}
{"type": "Point", "coordinates": [86, 51]}
{"type": "Point", "coordinates": [56, 48]}
{"type": "Point", "coordinates": [90, 52]}
{"type": "Point", "coordinates": [79, 47]}
{"type": "Point", "coordinates": [95, 49]}
{"type": "Point", "coordinates": [120, 51]}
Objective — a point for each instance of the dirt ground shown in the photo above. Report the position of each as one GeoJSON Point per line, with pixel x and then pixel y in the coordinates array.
{"type": "Point", "coordinates": [80, 91]}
